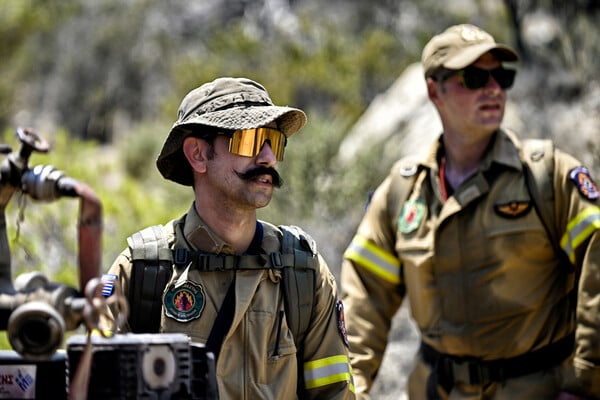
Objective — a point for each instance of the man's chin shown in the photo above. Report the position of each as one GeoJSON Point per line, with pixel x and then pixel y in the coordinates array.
{"type": "Point", "coordinates": [263, 199]}
{"type": "Point", "coordinates": [262, 204]}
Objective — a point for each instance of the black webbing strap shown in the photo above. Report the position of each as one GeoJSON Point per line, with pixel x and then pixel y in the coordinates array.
{"type": "Point", "coordinates": [445, 368]}
{"type": "Point", "coordinates": [218, 262]}
{"type": "Point", "coordinates": [221, 262]}
{"type": "Point", "coordinates": [298, 282]}
{"type": "Point", "coordinates": [298, 290]}
{"type": "Point", "coordinates": [152, 262]}
{"type": "Point", "coordinates": [150, 272]}
{"type": "Point", "coordinates": [222, 322]}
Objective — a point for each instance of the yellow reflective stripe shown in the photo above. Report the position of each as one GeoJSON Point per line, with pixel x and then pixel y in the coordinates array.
{"type": "Point", "coordinates": [326, 371]}
{"type": "Point", "coordinates": [579, 229]}
{"type": "Point", "coordinates": [373, 258]}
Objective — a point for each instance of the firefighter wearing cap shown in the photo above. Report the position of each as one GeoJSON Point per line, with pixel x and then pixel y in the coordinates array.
{"type": "Point", "coordinates": [226, 143]}
{"type": "Point", "coordinates": [457, 232]}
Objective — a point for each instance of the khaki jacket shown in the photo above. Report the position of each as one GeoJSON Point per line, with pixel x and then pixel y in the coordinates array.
{"type": "Point", "coordinates": [479, 269]}
{"type": "Point", "coordinates": [258, 354]}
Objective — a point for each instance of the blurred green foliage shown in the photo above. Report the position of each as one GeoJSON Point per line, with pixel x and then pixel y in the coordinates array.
{"type": "Point", "coordinates": [18, 20]}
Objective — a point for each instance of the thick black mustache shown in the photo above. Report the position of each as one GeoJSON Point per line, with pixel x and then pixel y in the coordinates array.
{"type": "Point", "coordinates": [254, 172]}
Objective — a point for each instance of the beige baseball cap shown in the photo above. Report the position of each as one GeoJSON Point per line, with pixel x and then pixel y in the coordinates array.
{"type": "Point", "coordinates": [226, 103]}
{"type": "Point", "coordinates": [459, 46]}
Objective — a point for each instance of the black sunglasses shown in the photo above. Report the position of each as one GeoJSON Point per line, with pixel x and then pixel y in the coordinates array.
{"type": "Point", "coordinates": [476, 78]}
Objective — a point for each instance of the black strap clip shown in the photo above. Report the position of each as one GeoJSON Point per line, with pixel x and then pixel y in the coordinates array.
{"type": "Point", "coordinates": [276, 260]}
{"type": "Point", "coordinates": [181, 256]}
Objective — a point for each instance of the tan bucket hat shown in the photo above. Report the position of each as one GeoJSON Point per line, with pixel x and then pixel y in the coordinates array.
{"type": "Point", "coordinates": [227, 103]}
{"type": "Point", "coordinates": [459, 46]}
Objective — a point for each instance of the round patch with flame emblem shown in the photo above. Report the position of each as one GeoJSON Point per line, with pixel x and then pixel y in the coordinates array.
{"type": "Point", "coordinates": [184, 302]}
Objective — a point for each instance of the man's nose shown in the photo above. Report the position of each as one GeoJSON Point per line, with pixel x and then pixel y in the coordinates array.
{"type": "Point", "coordinates": [266, 156]}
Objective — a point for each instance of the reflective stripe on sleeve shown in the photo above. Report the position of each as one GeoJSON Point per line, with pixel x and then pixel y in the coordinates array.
{"type": "Point", "coordinates": [326, 371]}
{"type": "Point", "coordinates": [579, 229]}
{"type": "Point", "coordinates": [373, 258]}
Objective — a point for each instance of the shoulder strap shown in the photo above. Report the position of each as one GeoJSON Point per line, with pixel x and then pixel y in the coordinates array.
{"type": "Point", "coordinates": [298, 287]}
{"type": "Point", "coordinates": [298, 279]}
{"type": "Point", "coordinates": [151, 270]}
{"type": "Point", "coordinates": [538, 163]}
{"type": "Point", "coordinates": [403, 177]}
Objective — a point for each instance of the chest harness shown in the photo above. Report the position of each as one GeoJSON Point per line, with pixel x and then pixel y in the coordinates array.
{"type": "Point", "coordinates": [152, 265]}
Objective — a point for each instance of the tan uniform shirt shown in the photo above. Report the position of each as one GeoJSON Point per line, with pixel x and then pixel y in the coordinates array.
{"type": "Point", "coordinates": [258, 354]}
{"type": "Point", "coordinates": [479, 269]}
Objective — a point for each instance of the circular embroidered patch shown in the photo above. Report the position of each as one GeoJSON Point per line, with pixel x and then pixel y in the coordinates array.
{"type": "Point", "coordinates": [185, 302]}
{"type": "Point", "coordinates": [412, 213]}
{"type": "Point", "coordinates": [584, 182]}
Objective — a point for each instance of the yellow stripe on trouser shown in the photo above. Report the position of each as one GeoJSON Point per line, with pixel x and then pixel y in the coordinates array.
{"type": "Point", "coordinates": [579, 229]}
{"type": "Point", "coordinates": [326, 371]}
{"type": "Point", "coordinates": [373, 258]}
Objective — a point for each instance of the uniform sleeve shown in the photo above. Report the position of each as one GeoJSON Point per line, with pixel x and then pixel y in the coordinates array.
{"type": "Point", "coordinates": [578, 213]}
{"type": "Point", "coordinates": [327, 373]}
{"type": "Point", "coordinates": [120, 271]}
{"type": "Point", "coordinates": [371, 289]}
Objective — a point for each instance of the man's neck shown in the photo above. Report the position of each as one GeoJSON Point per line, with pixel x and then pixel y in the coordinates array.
{"type": "Point", "coordinates": [236, 227]}
{"type": "Point", "coordinates": [463, 156]}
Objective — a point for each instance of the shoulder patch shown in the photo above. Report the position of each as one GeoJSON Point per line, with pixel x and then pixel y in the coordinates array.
{"type": "Point", "coordinates": [584, 183]}
{"type": "Point", "coordinates": [411, 215]}
{"type": "Point", "coordinates": [108, 281]}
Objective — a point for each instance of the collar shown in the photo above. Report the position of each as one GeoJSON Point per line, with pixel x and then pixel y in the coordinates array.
{"type": "Point", "coordinates": [200, 237]}
{"type": "Point", "coordinates": [504, 150]}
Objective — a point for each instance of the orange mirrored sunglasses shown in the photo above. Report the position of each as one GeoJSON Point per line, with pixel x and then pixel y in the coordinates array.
{"type": "Point", "coordinates": [249, 142]}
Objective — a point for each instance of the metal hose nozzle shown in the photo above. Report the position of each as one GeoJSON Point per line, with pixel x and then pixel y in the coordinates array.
{"type": "Point", "coordinates": [36, 330]}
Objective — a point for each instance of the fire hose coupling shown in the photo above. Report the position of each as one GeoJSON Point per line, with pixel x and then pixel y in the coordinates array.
{"type": "Point", "coordinates": [36, 330]}
{"type": "Point", "coordinates": [46, 183]}
{"type": "Point", "coordinates": [34, 311]}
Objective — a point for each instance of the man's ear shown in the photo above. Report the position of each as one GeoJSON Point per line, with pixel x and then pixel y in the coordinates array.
{"type": "Point", "coordinates": [196, 151]}
{"type": "Point", "coordinates": [433, 89]}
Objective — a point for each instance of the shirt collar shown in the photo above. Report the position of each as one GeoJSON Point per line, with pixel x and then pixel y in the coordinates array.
{"type": "Point", "coordinates": [504, 150]}
{"type": "Point", "coordinates": [199, 235]}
